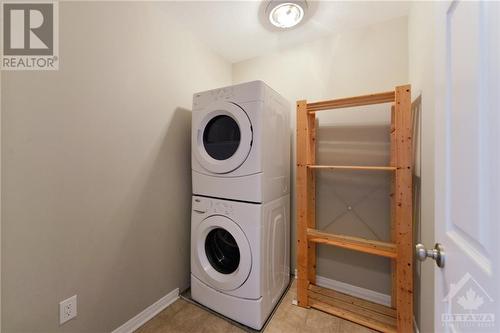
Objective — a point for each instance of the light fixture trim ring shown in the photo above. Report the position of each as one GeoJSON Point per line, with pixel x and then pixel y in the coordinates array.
{"type": "Point", "coordinates": [286, 14]}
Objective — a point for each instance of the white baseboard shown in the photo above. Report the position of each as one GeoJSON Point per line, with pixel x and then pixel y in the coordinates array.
{"type": "Point", "coordinates": [352, 290]}
{"type": "Point", "coordinates": [355, 291]}
{"type": "Point", "coordinates": [148, 313]}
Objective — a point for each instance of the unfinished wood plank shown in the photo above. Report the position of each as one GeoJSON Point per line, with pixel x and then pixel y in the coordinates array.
{"type": "Point", "coordinates": [302, 204]}
{"type": "Point", "coordinates": [392, 163]}
{"type": "Point", "coordinates": [356, 318]}
{"type": "Point", "coordinates": [351, 307]}
{"type": "Point", "coordinates": [384, 97]}
{"type": "Point", "coordinates": [403, 209]}
{"type": "Point", "coordinates": [353, 167]}
{"type": "Point", "coordinates": [372, 306]}
{"type": "Point", "coordinates": [358, 315]}
{"type": "Point", "coordinates": [353, 243]}
{"type": "Point", "coordinates": [311, 195]}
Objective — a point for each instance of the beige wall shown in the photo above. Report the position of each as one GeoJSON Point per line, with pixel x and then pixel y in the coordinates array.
{"type": "Point", "coordinates": [421, 65]}
{"type": "Point", "coordinates": [366, 60]}
{"type": "Point", "coordinates": [96, 168]}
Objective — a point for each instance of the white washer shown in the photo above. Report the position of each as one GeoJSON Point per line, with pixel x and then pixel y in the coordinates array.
{"type": "Point", "coordinates": [240, 260]}
{"type": "Point", "coordinates": [241, 143]}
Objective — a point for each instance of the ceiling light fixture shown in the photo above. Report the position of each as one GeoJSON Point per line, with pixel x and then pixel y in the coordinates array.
{"type": "Point", "coordinates": [286, 14]}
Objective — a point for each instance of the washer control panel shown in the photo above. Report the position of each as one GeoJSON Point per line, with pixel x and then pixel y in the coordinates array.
{"type": "Point", "coordinates": [209, 206]}
{"type": "Point", "coordinates": [216, 95]}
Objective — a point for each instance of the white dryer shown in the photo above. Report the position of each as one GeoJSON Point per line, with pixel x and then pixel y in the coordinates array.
{"type": "Point", "coordinates": [240, 257]}
{"type": "Point", "coordinates": [241, 143]}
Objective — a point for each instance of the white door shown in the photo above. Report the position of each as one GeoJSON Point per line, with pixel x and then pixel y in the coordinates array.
{"type": "Point", "coordinates": [467, 207]}
{"type": "Point", "coordinates": [223, 137]}
{"type": "Point", "coordinates": [223, 253]}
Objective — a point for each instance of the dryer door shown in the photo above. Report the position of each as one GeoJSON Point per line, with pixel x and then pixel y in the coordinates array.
{"type": "Point", "coordinates": [223, 253]}
{"type": "Point", "coordinates": [224, 138]}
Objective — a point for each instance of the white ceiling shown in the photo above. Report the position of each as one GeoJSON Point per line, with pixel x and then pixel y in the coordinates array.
{"type": "Point", "coordinates": [233, 29]}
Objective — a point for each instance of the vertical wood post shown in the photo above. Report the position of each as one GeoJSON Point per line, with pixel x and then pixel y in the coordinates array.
{"type": "Point", "coordinates": [311, 199]}
{"type": "Point", "coordinates": [304, 214]}
{"type": "Point", "coordinates": [403, 209]}
{"type": "Point", "coordinates": [392, 163]}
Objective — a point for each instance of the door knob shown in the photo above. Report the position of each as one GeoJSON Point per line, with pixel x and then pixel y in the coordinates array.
{"type": "Point", "coordinates": [437, 253]}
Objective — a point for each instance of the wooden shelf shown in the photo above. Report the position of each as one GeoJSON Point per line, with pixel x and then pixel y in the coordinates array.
{"type": "Point", "coordinates": [372, 315]}
{"type": "Point", "coordinates": [379, 98]}
{"type": "Point", "coordinates": [378, 248]}
{"type": "Point", "coordinates": [353, 167]}
{"type": "Point", "coordinates": [400, 247]}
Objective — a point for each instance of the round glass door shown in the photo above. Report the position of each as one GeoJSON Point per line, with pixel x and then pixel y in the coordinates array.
{"type": "Point", "coordinates": [223, 253]}
{"type": "Point", "coordinates": [221, 137]}
{"type": "Point", "coordinates": [224, 138]}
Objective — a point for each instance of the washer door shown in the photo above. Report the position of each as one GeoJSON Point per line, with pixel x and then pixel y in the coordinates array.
{"type": "Point", "coordinates": [224, 138]}
{"type": "Point", "coordinates": [223, 253]}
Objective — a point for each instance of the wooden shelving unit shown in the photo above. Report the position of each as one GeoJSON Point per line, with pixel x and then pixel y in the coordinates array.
{"type": "Point", "coordinates": [398, 317]}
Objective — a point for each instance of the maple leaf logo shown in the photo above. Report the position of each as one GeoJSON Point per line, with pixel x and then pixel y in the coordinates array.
{"type": "Point", "coordinates": [471, 301]}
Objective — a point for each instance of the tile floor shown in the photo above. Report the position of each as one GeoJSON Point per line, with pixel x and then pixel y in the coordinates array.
{"type": "Point", "coordinates": [185, 317]}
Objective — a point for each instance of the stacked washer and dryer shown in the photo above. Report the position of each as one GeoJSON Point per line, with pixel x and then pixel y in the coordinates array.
{"type": "Point", "coordinates": [240, 222]}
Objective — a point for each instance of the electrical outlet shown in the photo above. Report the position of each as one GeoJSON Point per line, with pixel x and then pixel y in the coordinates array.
{"type": "Point", "coordinates": [67, 309]}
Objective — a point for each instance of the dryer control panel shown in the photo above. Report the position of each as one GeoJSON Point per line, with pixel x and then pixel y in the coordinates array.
{"type": "Point", "coordinates": [210, 206]}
